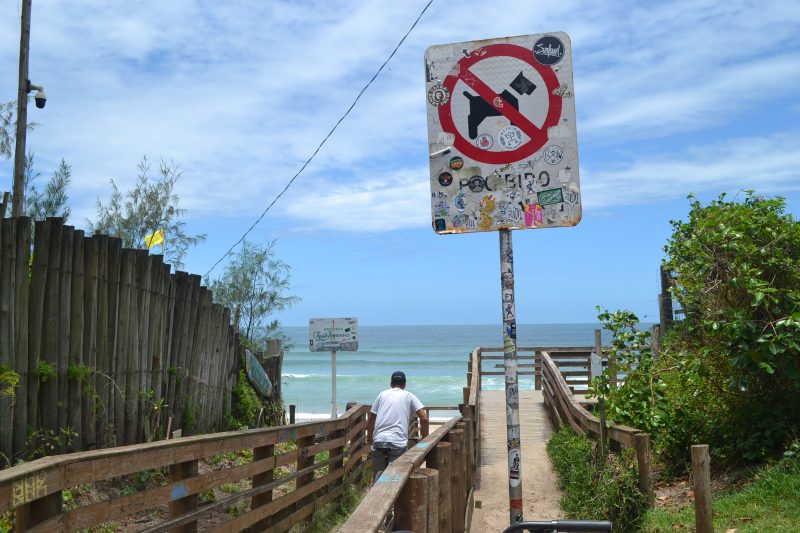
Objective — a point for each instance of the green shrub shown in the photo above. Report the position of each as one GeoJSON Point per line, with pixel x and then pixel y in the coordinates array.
{"type": "Point", "coordinates": [596, 489]}
{"type": "Point", "coordinates": [246, 404]}
{"type": "Point", "coordinates": [735, 358]}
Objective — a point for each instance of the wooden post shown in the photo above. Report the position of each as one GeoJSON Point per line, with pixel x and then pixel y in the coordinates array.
{"type": "Point", "coordinates": [262, 452]}
{"type": "Point", "coordinates": [537, 370]}
{"type": "Point", "coordinates": [305, 460]}
{"type": "Point", "coordinates": [432, 502]}
{"type": "Point", "coordinates": [665, 312]}
{"type": "Point", "coordinates": [411, 510]}
{"type": "Point", "coordinates": [440, 458]}
{"type": "Point", "coordinates": [701, 473]}
{"type": "Point", "coordinates": [644, 459]}
{"type": "Point", "coordinates": [4, 205]}
{"type": "Point", "coordinates": [186, 504]}
{"type": "Point", "coordinates": [457, 482]}
{"type": "Point", "coordinates": [292, 413]}
{"type": "Point", "coordinates": [601, 407]}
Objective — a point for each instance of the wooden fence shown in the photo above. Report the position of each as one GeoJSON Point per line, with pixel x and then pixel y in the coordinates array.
{"type": "Point", "coordinates": [265, 496]}
{"type": "Point", "coordinates": [564, 409]}
{"type": "Point", "coordinates": [105, 341]}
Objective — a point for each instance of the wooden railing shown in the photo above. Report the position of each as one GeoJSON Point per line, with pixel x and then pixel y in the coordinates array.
{"type": "Point", "coordinates": [564, 409]}
{"type": "Point", "coordinates": [576, 362]}
{"type": "Point", "coordinates": [438, 496]}
{"type": "Point", "coordinates": [277, 498]}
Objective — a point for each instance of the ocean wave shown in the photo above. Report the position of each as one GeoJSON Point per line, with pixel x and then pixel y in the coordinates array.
{"type": "Point", "coordinates": [298, 376]}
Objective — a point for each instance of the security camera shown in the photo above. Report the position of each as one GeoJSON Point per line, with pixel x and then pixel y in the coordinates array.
{"type": "Point", "coordinates": [41, 99]}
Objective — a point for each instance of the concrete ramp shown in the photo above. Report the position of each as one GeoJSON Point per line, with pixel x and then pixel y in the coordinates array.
{"type": "Point", "coordinates": [540, 493]}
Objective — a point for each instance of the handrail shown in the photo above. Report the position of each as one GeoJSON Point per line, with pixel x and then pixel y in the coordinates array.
{"type": "Point", "coordinates": [371, 512]}
{"type": "Point", "coordinates": [564, 409]}
{"type": "Point", "coordinates": [34, 489]}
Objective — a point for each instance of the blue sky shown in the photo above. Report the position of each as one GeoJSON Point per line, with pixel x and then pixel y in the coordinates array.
{"type": "Point", "coordinates": [672, 98]}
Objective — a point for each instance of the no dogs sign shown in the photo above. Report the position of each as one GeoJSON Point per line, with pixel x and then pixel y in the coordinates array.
{"type": "Point", "coordinates": [501, 133]}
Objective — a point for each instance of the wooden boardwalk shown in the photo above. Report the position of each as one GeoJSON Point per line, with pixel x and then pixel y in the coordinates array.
{"type": "Point", "coordinates": [540, 493]}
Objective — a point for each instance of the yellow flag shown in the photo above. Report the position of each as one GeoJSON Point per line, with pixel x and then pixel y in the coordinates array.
{"type": "Point", "coordinates": [154, 238]}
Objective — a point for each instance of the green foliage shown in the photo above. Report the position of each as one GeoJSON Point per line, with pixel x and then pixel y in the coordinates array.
{"type": "Point", "coordinates": [254, 285]}
{"type": "Point", "coordinates": [638, 400]}
{"type": "Point", "coordinates": [735, 359]}
{"type": "Point", "coordinates": [190, 411]}
{"type": "Point", "coordinates": [245, 406]}
{"type": "Point", "coordinates": [149, 206]}
{"type": "Point", "coordinates": [593, 488]}
{"type": "Point", "coordinates": [44, 371]}
{"type": "Point", "coordinates": [52, 201]}
{"type": "Point", "coordinates": [9, 381]}
{"type": "Point", "coordinates": [44, 442]}
{"type": "Point", "coordinates": [6, 522]}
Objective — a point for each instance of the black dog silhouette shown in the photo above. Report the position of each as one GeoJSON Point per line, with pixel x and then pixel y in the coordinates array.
{"type": "Point", "coordinates": [479, 109]}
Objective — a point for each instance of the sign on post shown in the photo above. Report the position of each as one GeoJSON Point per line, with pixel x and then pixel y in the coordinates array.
{"type": "Point", "coordinates": [501, 133]}
{"type": "Point", "coordinates": [503, 155]}
{"type": "Point", "coordinates": [332, 334]}
{"type": "Point", "coordinates": [327, 334]}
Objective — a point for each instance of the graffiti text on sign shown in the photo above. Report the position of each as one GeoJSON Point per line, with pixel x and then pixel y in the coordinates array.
{"type": "Point", "coordinates": [28, 489]}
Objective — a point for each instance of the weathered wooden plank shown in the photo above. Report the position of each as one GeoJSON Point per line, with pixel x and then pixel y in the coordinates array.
{"type": "Point", "coordinates": [64, 330]}
{"type": "Point", "coordinates": [48, 358]}
{"type": "Point", "coordinates": [75, 372]}
{"type": "Point", "coordinates": [6, 333]}
{"type": "Point", "coordinates": [41, 255]}
{"type": "Point", "coordinates": [94, 399]}
{"type": "Point", "coordinates": [22, 251]}
{"type": "Point", "coordinates": [125, 371]}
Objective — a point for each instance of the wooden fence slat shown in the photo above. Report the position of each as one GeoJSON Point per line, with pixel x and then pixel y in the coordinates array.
{"type": "Point", "coordinates": [94, 400]}
{"type": "Point", "coordinates": [6, 335]}
{"type": "Point", "coordinates": [75, 362]}
{"type": "Point", "coordinates": [41, 253]}
{"type": "Point", "coordinates": [22, 251]}
{"type": "Point", "coordinates": [64, 330]}
{"type": "Point", "coordinates": [50, 385]}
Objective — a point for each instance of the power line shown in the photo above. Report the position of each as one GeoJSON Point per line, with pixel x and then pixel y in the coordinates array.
{"type": "Point", "coordinates": [319, 147]}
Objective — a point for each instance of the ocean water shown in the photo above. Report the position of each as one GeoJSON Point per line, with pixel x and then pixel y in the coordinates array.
{"type": "Point", "coordinates": [434, 359]}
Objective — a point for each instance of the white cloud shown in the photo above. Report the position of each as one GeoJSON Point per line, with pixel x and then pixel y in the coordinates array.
{"type": "Point", "coordinates": [240, 93]}
{"type": "Point", "coordinates": [766, 164]}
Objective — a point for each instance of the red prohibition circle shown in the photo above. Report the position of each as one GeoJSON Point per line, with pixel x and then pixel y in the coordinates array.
{"type": "Point", "coordinates": [538, 136]}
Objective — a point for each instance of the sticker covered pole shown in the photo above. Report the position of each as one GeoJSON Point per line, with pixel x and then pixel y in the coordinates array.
{"type": "Point", "coordinates": [512, 387]}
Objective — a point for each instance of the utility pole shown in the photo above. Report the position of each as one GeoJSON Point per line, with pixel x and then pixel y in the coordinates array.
{"type": "Point", "coordinates": [18, 200]}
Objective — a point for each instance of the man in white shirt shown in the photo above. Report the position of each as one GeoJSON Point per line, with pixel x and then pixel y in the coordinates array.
{"type": "Point", "coordinates": [387, 428]}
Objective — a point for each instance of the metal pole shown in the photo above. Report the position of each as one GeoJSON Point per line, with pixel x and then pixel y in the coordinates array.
{"type": "Point", "coordinates": [512, 387]}
{"type": "Point", "coordinates": [333, 384]}
{"type": "Point", "coordinates": [18, 200]}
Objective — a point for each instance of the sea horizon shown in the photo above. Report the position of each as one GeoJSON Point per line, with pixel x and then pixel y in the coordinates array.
{"type": "Point", "coordinates": [434, 358]}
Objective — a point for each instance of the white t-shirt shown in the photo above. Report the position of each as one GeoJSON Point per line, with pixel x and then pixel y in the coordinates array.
{"type": "Point", "coordinates": [393, 409]}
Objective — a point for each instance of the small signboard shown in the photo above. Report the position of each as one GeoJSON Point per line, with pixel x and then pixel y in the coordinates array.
{"type": "Point", "coordinates": [501, 132]}
{"type": "Point", "coordinates": [333, 334]}
{"type": "Point", "coordinates": [257, 375]}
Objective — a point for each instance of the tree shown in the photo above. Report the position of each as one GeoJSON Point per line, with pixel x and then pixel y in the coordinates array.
{"type": "Point", "coordinates": [150, 206]}
{"type": "Point", "coordinates": [254, 286]}
{"type": "Point", "coordinates": [52, 202]}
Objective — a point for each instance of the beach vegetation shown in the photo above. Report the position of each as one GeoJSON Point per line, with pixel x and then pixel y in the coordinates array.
{"type": "Point", "coordinates": [732, 365]}
{"type": "Point", "coordinates": [255, 285]}
{"type": "Point", "coordinates": [150, 206]}
{"type": "Point", "coordinates": [596, 487]}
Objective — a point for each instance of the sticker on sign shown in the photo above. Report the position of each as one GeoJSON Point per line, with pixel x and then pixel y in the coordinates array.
{"type": "Point", "coordinates": [504, 111]}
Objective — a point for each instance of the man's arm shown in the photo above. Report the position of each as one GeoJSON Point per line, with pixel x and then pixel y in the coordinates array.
{"type": "Point", "coordinates": [370, 427]}
{"type": "Point", "coordinates": [423, 422]}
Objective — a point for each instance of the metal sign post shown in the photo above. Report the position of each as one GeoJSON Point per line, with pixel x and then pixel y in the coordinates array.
{"type": "Point", "coordinates": [503, 153]}
{"type": "Point", "coordinates": [334, 410]}
{"type": "Point", "coordinates": [512, 387]}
